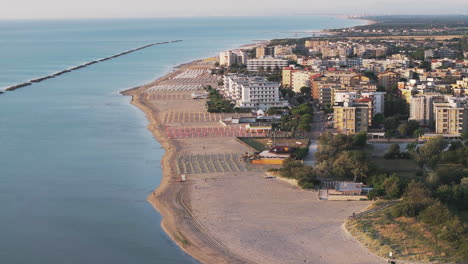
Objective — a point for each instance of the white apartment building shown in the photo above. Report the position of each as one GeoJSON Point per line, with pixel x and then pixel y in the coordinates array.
{"type": "Point", "coordinates": [252, 92]}
{"type": "Point", "coordinates": [265, 64]}
{"type": "Point", "coordinates": [378, 99]}
{"type": "Point", "coordinates": [344, 97]}
{"type": "Point", "coordinates": [422, 107]}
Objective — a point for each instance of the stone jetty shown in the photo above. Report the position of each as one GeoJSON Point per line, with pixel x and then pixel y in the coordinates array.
{"type": "Point", "coordinates": [30, 82]}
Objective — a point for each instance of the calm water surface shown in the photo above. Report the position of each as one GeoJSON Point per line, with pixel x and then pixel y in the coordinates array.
{"type": "Point", "coordinates": [76, 160]}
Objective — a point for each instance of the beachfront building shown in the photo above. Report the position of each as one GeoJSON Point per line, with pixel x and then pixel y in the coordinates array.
{"type": "Point", "coordinates": [232, 57]}
{"type": "Point", "coordinates": [451, 117]}
{"type": "Point", "coordinates": [266, 64]}
{"type": "Point", "coordinates": [252, 92]}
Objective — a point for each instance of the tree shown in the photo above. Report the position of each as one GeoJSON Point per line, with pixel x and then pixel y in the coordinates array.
{"type": "Point", "coordinates": [426, 65]}
{"type": "Point", "coordinates": [429, 152]}
{"type": "Point", "coordinates": [403, 129]}
{"type": "Point", "coordinates": [274, 78]}
{"type": "Point", "coordinates": [413, 125]}
{"type": "Point", "coordinates": [415, 75]}
{"type": "Point", "coordinates": [416, 198]}
{"type": "Point", "coordinates": [464, 135]}
{"type": "Point", "coordinates": [274, 111]}
{"type": "Point", "coordinates": [378, 120]}
{"type": "Point", "coordinates": [371, 76]}
{"type": "Point", "coordinates": [360, 139]}
{"type": "Point", "coordinates": [391, 123]}
{"type": "Point", "coordinates": [392, 187]}
{"type": "Point", "coordinates": [394, 105]}
{"type": "Point", "coordinates": [393, 152]}
{"type": "Point", "coordinates": [407, 129]}
{"type": "Point", "coordinates": [418, 133]}
{"type": "Point", "coordinates": [350, 164]}
{"type": "Point", "coordinates": [306, 91]}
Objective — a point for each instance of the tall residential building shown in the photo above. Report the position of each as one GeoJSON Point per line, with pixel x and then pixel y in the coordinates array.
{"type": "Point", "coordinates": [325, 93]}
{"type": "Point", "coordinates": [388, 79]}
{"type": "Point", "coordinates": [227, 58]}
{"type": "Point", "coordinates": [422, 107]}
{"type": "Point", "coordinates": [350, 119]}
{"type": "Point", "coordinates": [266, 64]}
{"type": "Point", "coordinates": [252, 92]}
{"type": "Point", "coordinates": [231, 57]}
{"type": "Point", "coordinates": [451, 117]}
{"type": "Point", "coordinates": [445, 52]}
{"type": "Point", "coordinates": [264, 51]}
{"type": "Point", "coordinates": [378, 99]}
{"type": "Point", "coordinates": [287, 76]}
{"type": "Point", "coordinates": [428, 53]}
{"type": "Point", "coordinates": [300, 79]}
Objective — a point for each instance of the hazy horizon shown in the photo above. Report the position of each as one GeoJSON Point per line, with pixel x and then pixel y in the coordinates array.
{"type": "Point", "coordinates": [92, 9]}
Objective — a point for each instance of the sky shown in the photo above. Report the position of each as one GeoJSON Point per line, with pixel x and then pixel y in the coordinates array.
{"type": "Point", "coordinates": [58, 9]}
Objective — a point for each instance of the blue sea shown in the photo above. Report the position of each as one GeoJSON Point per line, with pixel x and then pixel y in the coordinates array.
{"type": "Point", "coordinates": [76, 159]}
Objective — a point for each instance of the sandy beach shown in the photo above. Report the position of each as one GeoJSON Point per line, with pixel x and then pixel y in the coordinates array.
{"type": "Point", "coordinates": [226, 212]}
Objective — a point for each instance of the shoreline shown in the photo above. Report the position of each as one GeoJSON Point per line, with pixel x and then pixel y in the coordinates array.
{"type": "Point", "coordinates": [169, 199]}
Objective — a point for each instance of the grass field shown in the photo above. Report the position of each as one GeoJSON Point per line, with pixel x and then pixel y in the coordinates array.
{"type": "Point", "coordinates": [405, 237]}
{"type": "Point", "coordinates": [402, 167]}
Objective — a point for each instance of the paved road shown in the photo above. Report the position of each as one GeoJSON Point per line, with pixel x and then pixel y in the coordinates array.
{"type": "Point", "coordinates": [317, 126]}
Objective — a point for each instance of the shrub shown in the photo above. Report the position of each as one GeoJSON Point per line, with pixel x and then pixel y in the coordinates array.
{"type": "Point", "coordinates": [436, 214]}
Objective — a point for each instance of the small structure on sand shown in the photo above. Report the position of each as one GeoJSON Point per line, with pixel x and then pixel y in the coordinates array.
{"type": "Point", "coordinates": [343, 191]}
{"type": "Point", "coordinates": [275, 156]}
{"type": "Point", "coordinates": [349, 188]}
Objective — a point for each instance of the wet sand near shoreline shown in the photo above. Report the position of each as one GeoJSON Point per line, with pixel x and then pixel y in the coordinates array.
{"type": "Point", "coordinates": [230, 213]}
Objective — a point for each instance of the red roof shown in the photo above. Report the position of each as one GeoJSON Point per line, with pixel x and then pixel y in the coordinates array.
{"type": "Point", "coordinates": [316, 76]}
{"type": "Point", "coordinates": [364, 99]}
